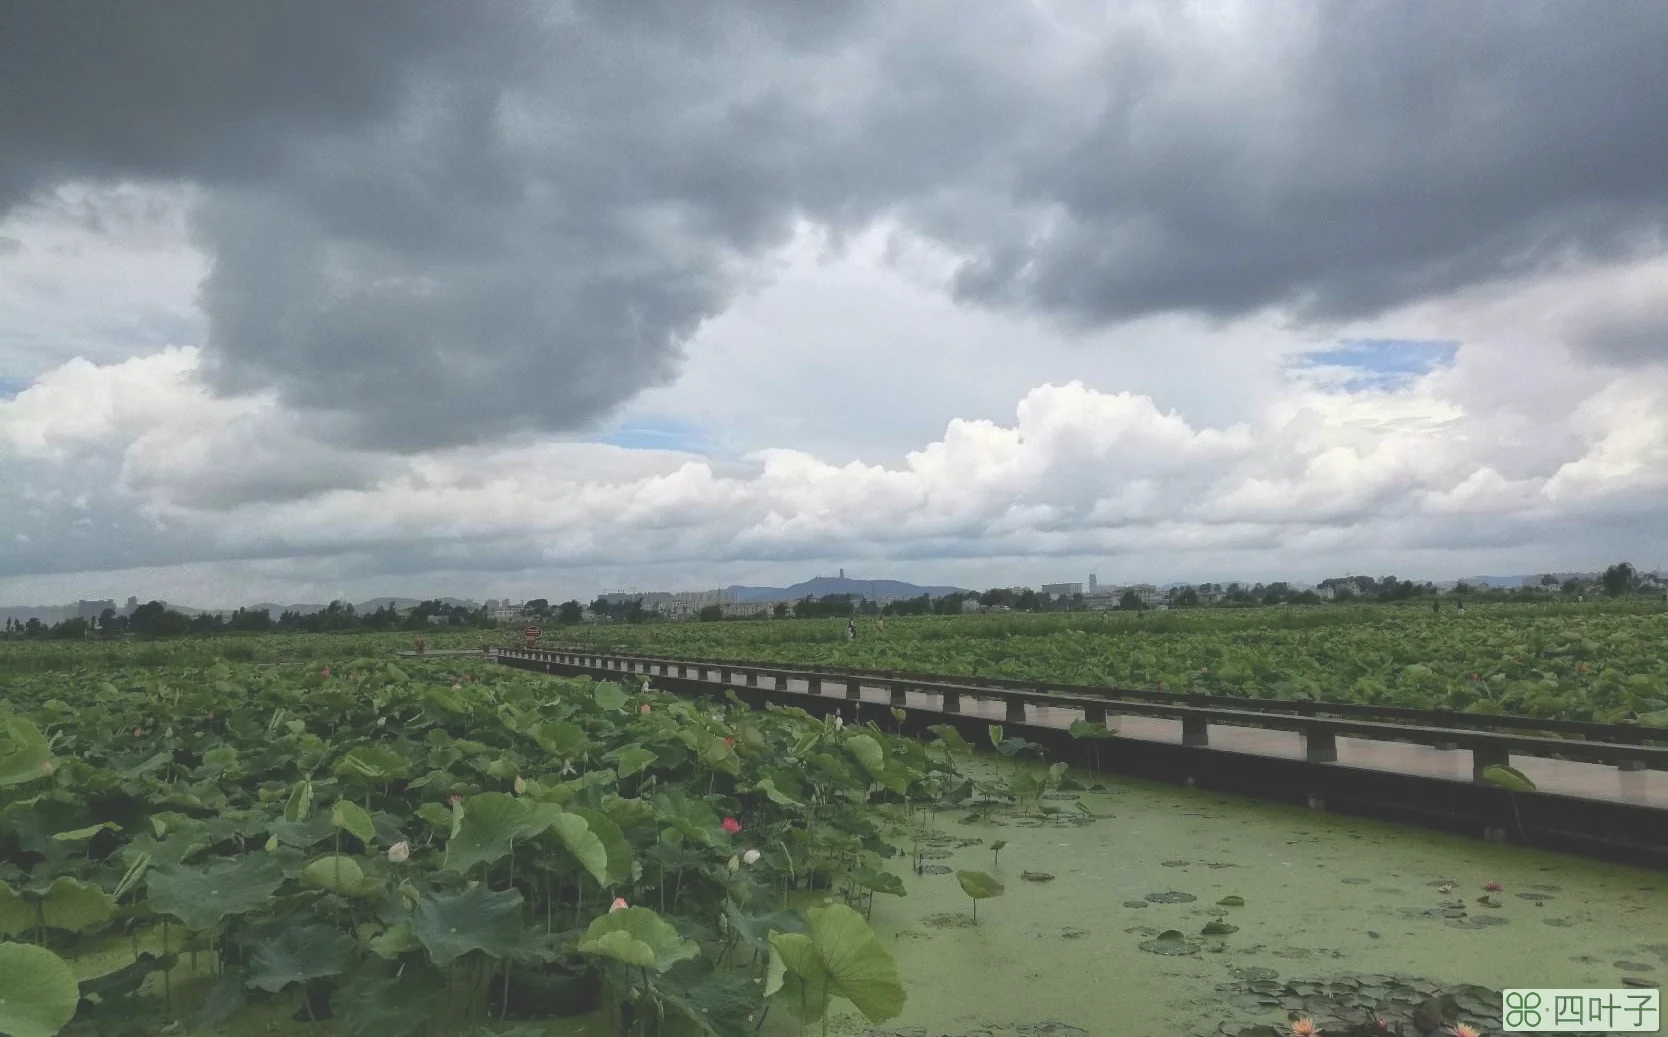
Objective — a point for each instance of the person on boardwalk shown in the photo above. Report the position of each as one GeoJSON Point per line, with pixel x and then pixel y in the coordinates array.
{"type": "Point", "coordinates": [851, 630]}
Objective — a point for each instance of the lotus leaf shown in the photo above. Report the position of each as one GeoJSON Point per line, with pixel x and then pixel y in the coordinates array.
{"type": "Point", "coordinates": [373, 763]}
{"type": "Point", "coordinates": [867, 752]}
{"type": "Point", "coordinates": [394, 941]}
{"type": "Point", "coordinates": [608, 696]}
{"type": "Point", "coordinates": [75, 907]}
{"type": "Point", "coordinates": [451, 925]}
{"type": "Point", "coordinates": [1509, 778]}
{"type": "Point", "coordinates": [393, 1006]}
{"type": "Point", "coordinates": [978, 885]}
{"type": "Point", "coordinates": [632, 759]}
{"type": "Point", "coordinates": [620, 869]}
{"type": "Point", "coordinates": [341, 875]}
{"type": "Point", "coordinates": [722, 1005]}
{"type": "Point", "coordinates": [224, 999]}
{"type": "Point", "coordinates": [587, 848]}
{"type": "Point", "coordinates": [637, 936]}
{"type": "Point", "coordinates": [839, 957]}
{"type": "Point", "coordinates": [38, 991]}
{"type": "Point", "coordinates": [299, 954]}
{"type": "Point", "coordinates": [17, 912]}
{"type": "Point", "coordinates": [492, 823]}
{"type": "Point", "coordinates": [351, 818]}
{"type": "Point", "coordinates": [200, 897]}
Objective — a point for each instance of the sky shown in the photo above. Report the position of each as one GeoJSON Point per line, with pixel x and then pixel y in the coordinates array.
{"type": "Point", "coordinates": [307, 300]}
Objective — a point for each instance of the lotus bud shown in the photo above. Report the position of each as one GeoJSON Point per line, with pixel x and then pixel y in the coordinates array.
{"type": "Point", "coordinates": [644, 709]}
{"type": "Point", "coordinates": [520, 784]}
{"type": "Point", "coordinates": [618, 905]}
{"type": "Point", "coordinates": [734, 863]}
{"type": "Point", "coordinates": [382, 721]}
{"type": "Point", "coordinates": [272, 844]}
{"type": "Point", "coordinates": [400, 852]}
{"type": "Point", "coordinates": [731, 825]}
{"type": "Point", "coordinates": [750, 857]}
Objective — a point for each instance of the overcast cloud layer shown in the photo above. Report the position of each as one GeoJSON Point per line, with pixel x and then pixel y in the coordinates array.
{"type": "Point", "coordinates": [306, 294]}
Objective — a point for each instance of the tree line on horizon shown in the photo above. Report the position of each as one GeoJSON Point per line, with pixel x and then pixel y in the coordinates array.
{"type": "Point", "coordinates": [154, 619]}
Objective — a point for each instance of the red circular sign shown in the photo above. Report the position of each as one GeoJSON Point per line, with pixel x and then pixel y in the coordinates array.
{"type": "Point", "coordinates": [531, 633]}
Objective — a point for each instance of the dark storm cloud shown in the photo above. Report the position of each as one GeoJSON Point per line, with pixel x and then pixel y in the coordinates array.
{"type": "Point", "coordinates": [1627, 334]}
{"type": "Point", "coordinates": [1394, 151]}
{"type": "Point", "coordinates": [446, 221]}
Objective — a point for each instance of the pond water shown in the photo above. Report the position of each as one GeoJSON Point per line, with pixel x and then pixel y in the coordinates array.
{"type": "Point", "coordinates": [1325, 896]}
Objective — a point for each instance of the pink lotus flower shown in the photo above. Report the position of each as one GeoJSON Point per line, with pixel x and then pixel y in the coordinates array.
{"type": "Point", "coordinates": [46, 766]}
{"type": "Point", "coordinates": [137, 732]}
{"type": "Point", "coordinates": [1473, 676]}
{"type": "Point", "coordinates": [1492, 887]}
{"type": "Point", "coordinates": [731, 825]}
{"type": "Point", "coordinates": [1305, 1028]}
{"type": "Point", "coordinates": [618, 905]}
{"type": "Point", "coordinates": [453, 800]}
{"type": "Point", "coordinates": [644, 709]}
{"type": "Point", "coordinates": [729, 743]}
{"type": "Point", "coordinates": [325, 672]}
{"type": "Point", "coordinates": [1462, 1030]}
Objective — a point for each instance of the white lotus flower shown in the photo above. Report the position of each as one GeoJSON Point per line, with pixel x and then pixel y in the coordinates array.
{"type": "Point", "coordinates": [400, 852]}
{"type": "Point", "coordinates": [567, 766]}
{"type": "Point", "coordinates": [382, 721]}
{"type": "Point", "coordinates": [520, 784]}
{"type": "Point", "coordinates": [750, 857]}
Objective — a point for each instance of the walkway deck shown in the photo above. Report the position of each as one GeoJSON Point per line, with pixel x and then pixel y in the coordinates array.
{"type": "Point", "coordinates": [1648, 788]}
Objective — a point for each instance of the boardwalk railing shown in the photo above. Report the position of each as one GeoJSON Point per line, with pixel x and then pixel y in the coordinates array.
{"type": "Point", "coordinates": [1491, 739]}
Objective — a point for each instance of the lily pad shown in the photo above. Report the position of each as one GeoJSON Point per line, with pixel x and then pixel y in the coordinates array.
{"type": "Point", "coordinates": [1217, 927]}
{"type": "Point", "coordinates": [1172, 942]}
{"type": "Point", "coordinates": [1232, 900]}
{"type": "Point", "coordinates": [1171, 897]}
{"type": "Point", "coordinates": [38, 992]}
{"type": "Point", "coordinates": [1136, 903]}
{"type": "Point", "coordinates": [1036, 876]}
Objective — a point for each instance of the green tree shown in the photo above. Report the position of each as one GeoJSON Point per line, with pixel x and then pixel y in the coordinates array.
{"type": "Point", "coordinates": [570, 613]}
{"type": "Point", "coordinates": [1620, 579]}
{"type": "Point", "coordinates": [711, 613]}
{"type": "Point", "coordinates": [1131, 601]}
{"type": "Point", "coordinates": [537, 607]}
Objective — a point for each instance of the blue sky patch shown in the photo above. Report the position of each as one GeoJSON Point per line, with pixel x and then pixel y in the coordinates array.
{"type": "Point", "coordinates": [1378, 364]}
{"type": "Point", "coordinates": [9, 388]}
{"type": "Point", "coordinates": [651, 433]}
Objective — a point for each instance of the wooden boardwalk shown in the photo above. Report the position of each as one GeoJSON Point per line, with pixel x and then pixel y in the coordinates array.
{"type": "Point", "coordinates": [1647, 788]}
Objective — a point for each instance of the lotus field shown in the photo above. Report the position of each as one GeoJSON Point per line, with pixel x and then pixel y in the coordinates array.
{"type": "Point", "coordinates": [225, 846]}
{"type": "Point", "coordinates": [1591, 662]}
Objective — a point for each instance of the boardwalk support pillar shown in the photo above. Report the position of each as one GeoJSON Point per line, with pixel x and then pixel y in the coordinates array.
{"type": "Point", "coordinates": [1320, 745]}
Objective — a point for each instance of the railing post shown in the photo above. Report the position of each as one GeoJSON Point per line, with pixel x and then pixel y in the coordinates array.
{"type": "Point", "coordinates": [752, 678]}
{"type": "Point", "coordinates": [781, 682]}
{"type": "Point", "coordinates": [724, 675]}
{"type": "Point", "coordinates": [1195, 730]}
{"type": "Point", "coordinates": [1320, 744]}
{"type": "Point", "coordinates": [1487, 754]}
{"type": "Point", "coordinates": [1094, 714]}
{"type": "Point", "coordinates": [952, 702]}
{"type": "Point", "coordinates": [1016, 711]}
{"type": "Point", "coordinates": [900, 697]}
{"type": "Point", "coordinates": [1631, 738]}
{"type": "Point", "coordinates": [813, 685]}
{"type": "Point", "coordinates": [854, 688]}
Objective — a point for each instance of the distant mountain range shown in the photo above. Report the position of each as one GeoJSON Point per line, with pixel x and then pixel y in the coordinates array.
{"type": "Point", "coordinates": [822, 586]}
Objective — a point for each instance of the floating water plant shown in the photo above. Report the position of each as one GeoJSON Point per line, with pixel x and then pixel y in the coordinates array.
{"type": "Point", "coordinates": [996, 851]}
{"type": "Point", "coordinates": [979, 886]}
